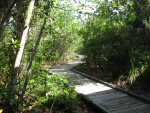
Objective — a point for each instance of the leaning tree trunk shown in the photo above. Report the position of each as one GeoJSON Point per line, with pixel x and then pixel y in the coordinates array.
{"type": "Point", "coordinates": [34, 52]}
{"type": "Point", "coordinates": [13, 78]}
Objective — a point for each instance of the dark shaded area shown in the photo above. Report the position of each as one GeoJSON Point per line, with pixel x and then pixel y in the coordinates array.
{"type": "Point", "coordinates": [142, 83]}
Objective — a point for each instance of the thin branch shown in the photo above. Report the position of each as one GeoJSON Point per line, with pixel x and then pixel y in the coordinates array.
{"type": "Point", "coordinates": [52, 106]}
{"type": "Point", "coordinates": [7, 14]}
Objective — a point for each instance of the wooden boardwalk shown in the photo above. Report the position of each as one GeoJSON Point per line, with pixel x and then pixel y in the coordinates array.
{"type": "Point", "coordinates": [106, 98]}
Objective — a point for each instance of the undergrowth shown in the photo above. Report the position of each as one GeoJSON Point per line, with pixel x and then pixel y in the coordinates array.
{"type": "Point", "coordinates": [45, 92]}
{"type": "Point", "coordinates": [51, 91]}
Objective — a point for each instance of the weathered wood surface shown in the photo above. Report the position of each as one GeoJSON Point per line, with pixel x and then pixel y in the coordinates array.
{"type": "Point", "coordinates": [106, 98]}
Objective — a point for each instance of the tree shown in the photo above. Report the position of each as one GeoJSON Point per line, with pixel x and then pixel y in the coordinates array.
{"type": "Point", "coordinates": [36, 46]}
{"type": "Point", "coordinates": [117, 38]}
{"type": "Point", "coordinates": [13, 78]}
{"type": "Point", "coordinates": [50, 39]}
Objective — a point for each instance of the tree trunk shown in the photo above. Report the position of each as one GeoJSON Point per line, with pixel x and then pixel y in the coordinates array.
{"type": "Point", "coordinates": [12, 82]}
{"type": "Point", "coordinates": [32, 57]}
{"type": "Point", "coordinates": [33, 54]}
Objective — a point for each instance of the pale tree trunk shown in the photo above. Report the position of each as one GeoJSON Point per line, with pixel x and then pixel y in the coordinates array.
{"type": "Point", "coordinates": [33, 54]}
{"type": "Point", "coordinates": [5, 17]}
{"type": "Point", "coordinates": [13, 78]}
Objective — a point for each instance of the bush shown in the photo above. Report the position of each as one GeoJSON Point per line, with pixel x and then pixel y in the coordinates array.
{"type": "Point", "coordinates": [46, 89]}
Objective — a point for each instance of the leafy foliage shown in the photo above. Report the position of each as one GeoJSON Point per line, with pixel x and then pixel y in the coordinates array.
{"type": "Point", "coordinates": [116, 38]}
{"type": "Point", "coordinates": [46, 89]}
{"type": "Point", "coordinates": [57, 45]}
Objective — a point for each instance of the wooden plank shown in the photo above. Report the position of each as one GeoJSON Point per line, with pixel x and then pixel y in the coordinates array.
{"type": "Point", "coordinates": [94, 103]}
{"type": "Point", "coordinates": [106, 99]}
{"type": "Point", "coordinates": [121, 104]}
{"type": "Point", "coordinates": [146, 110]}
{"type": "Point", "coordinates": [128, 107]}
{"type": "Point", "coordinates": [139, 108]}
{"type": "Point", "coordinates": [118, 99]}
{"type": "Point", "coordinates": [83, 81]}
{"type": "Point", "coordinates": [107, 96]}
{"type": "Point", "coordinates": [102, 92]}
{"type": "Point", "coordinates": [90, 88]}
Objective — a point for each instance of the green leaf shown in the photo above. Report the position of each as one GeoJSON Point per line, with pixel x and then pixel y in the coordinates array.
{"type": "Point", "coordinates": [80, 12]}
{"type": "Point", "coordinates": [82, 5]}
{"type": "Point", "coordinates": [131, 3]}
{"type": "Point", "coordinates": [121, 6]}
{"type": "Point", "coordinates": [114, 4]}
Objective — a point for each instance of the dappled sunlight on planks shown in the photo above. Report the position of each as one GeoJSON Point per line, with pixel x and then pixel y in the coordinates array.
{"type": "Point", "coordinates": [89, 88]}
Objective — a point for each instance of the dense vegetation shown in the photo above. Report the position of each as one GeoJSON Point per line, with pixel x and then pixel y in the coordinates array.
{"type": "Point", "coordinates": [116, 40]}
{"type": "Point", "coordinates": [38, 34]}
